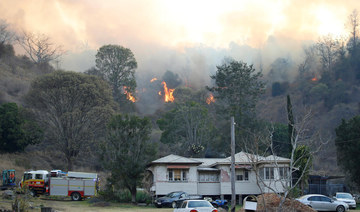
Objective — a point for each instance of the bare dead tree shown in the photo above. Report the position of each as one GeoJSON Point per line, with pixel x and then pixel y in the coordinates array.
{"type": "Point", "coordinates": [7, 36]}
{"type": "Point", "coordinates": [39, 47]}
{"type": "Point", "coordinates": [353, 24]}
{"type": "Point", "coordinates": [283, 183]}
{"type": "Point", "coordinates": [328, 50]}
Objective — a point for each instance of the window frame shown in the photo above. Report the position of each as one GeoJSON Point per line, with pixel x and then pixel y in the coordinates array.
{"type": "Point", "coordinates": [171, 175]}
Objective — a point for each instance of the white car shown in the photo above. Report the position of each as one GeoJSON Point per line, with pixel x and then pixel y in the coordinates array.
{"type": "Point", "coordinates": [323, 203]}
{"type": "Point", "coordinates": [347, 198]}
{"type": "Point", "coordinates": [196, 206]}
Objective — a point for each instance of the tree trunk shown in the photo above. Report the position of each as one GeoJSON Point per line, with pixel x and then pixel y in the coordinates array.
{"type": "Point", "coordinates": [69, 163]}
{"type": "Point", "coordinates": [133, 195]}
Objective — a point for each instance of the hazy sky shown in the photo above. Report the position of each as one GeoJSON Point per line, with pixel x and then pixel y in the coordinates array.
{"type": "Point", "coordinates": [187, 36]}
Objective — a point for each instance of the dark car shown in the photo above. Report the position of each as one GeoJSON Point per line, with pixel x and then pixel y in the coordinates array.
{"type": "Point", "coordinates": [173, 199]}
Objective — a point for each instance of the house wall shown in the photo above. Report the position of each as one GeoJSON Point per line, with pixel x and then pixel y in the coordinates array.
{"type": "Point", "coordinates": [209, 188]}
{"type": "Point", "coordinates": [163, 186]}
{"type": "Point", "coordinates": [241, 187]}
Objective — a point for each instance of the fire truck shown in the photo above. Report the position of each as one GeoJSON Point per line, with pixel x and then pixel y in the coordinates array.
{"type": "Point", "coordinates": [77, 185]}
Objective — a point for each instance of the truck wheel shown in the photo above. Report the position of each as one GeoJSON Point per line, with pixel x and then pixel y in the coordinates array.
{"type": "Point", "coordinates": [75, 196]}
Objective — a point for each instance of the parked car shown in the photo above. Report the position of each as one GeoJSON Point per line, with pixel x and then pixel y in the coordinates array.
{"type": "Point", "coordinates": [195, 206]}
{"type": "Point", "coordinates": [347, 198]}
{"type": "Point", "coordinates": [174, 198]}
{"type": "Point", "coordinates": [323, 203]}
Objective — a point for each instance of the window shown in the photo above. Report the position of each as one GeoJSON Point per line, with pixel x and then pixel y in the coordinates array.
{"type": "Point", "coordinates": [239, 177]}
{"type": "Point", "coordinates": [177, 174]}
{"type": "Point", "coordinates": [283, 172]}
{"type": "Point", "coordinates": [242, 175]}
{"type": "Point", "coordinates": [314, 198]}
{"type": "Point", "coordinates": [267, 173]}
{"type": "Point", "coordinates": [208, 177]}
{"type": "Point", "coordinates": [38, 176]}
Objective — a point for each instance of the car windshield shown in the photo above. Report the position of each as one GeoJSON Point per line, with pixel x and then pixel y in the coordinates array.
{"type": "Point", "coordinates": [344, 196]}
{"type": "Point", "coordinates": [173, 194]}
{"type": "Point", "coordinates": [199, 204]}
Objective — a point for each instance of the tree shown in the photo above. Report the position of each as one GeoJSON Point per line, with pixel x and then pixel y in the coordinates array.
{"type": "Point", "coordinates": [117, 65]}
{"type": "Point", "coordinates": [353, 24]}
{"type": "Point", "coordinates": [127, 151]}
{"type": "Point", "coordinates": [39, 48]}
{"type": "Point", "coordinates": [189, 126]}
{"type": "Point", "coordinates": [16, 132]}
{"type": "Point", "coordinates": [172, 80]}
{"type": "Point", "coordinates": [73, 109]}
{"type": "Point", "coordinates": [238, 86]}
{"type": "Point", "coordinates": [6, 35]}
{"type": "Point", "coordinates": [328, 50]}
{"type": "Point", "coordinates": [347, 144]}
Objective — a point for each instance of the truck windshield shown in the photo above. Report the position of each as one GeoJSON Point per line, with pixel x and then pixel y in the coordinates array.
{"type": "Point", "coordinates": [39, 176]}
{"type": "Point", "coordinates": [27, 176]}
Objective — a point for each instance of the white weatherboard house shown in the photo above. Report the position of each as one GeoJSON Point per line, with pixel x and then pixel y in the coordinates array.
{"type": "Point", "coordinates": [211, 176]}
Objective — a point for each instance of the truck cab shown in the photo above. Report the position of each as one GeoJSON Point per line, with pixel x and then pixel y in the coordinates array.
{"type": "Point", "coordinates": [36, 181]}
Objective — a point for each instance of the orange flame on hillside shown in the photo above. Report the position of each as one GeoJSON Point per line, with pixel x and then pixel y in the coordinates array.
{"type": "Point", "coordinates": [168, 93]}
{"type": "Point", "coordinates": [314, 79]}
{"type": "Point", "coordinates": [129, 96]}
{"type": "Point", "coordinates": [210, 99]}
{"type": "Point", "coordinates": [153, 79]}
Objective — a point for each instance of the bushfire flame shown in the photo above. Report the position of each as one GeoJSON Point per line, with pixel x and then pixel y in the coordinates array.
{"type": "Point", "coordinates": [210, 99]}
{"type": "Point", "coordinates": [129, 96]}
{"type": "Point", "coordinates": [314, 79]}
{"type": "Point", "coordinates": [168, 93]}
{"type": "Point", "coordinates": [153, 79]}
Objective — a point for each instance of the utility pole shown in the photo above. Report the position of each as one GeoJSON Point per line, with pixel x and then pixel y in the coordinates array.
{"type": "Point", "coordinates": [233, 195]}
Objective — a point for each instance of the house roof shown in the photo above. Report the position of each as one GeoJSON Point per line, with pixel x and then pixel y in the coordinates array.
{"type": "Point", "coordinates": [240, 158]}
{"type": "Point", "coordinates": [176, 159]}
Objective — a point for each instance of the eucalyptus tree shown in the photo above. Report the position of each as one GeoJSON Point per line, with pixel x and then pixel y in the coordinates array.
{"type": "Point", "coordinates": [117, 64]}
{"type": "Point", "coordinates": [127, 151]}
{"type": "Point", "coordinates": [72, 108]}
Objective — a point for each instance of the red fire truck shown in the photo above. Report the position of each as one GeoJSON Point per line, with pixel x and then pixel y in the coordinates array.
{"type": "Point", "coordinates": [77, 185]}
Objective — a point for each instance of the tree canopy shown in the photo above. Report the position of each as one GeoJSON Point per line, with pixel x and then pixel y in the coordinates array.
{"type": "Point", "coordinates": [127, 150]}
{"type": "Point", "coordinates": [117, 64]}
{"type": "Point", "coordinates": [348, 147]}
{"type": "Point", "coordinates": [187, 125]}
{"type": "Point", "coordinates": [73, 109]}
{"type": "Point", "coordinates": [16, 132]}
{"type": "Point", "coordinates": [238, 85]}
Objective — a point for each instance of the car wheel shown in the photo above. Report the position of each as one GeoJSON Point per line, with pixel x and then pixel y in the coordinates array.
{"type": "Point", "coordinates": [340, 208]}
{"type": "Point", "coordinates": [158, 206]}
{"type": "Point", "coordinates": [173, 204]}
{"type": "Point", "coordinates": [75, 196]}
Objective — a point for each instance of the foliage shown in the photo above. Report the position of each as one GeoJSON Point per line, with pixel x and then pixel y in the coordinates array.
{"type": "Point", "coordinates": [172, 80]}
{"type": "Point", "coordinates": [348, 147]}
{"type": "Point", "coordinates": [280, 140]}
{"type": "Point", "coordinates": [16, 131]}
{"type": "Point", "coordinates": [239, 87]}
{"type": "Point", "coordinates": [278, 88]}
{"type": "Point", "coordinates": [72, 108]}
{"type": "Point", "coordinates": [117, 65]}
{"type": "Point", "coordinates": [127, 151]}
{"type": "Point", "coordinates": [303, 162]}
{"type": "Point", "coordinates": [188, 124]}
